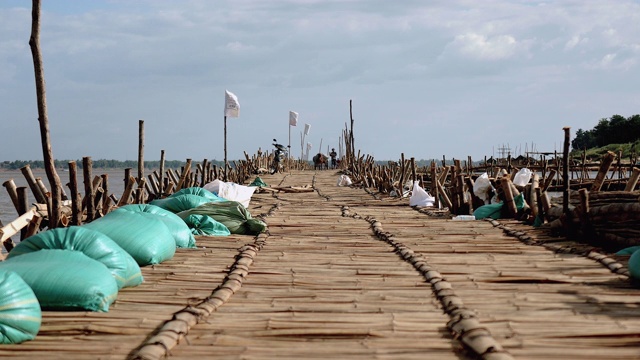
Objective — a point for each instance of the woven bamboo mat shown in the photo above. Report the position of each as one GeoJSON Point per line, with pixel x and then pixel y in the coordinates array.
{"type": "Point", "coordinates": [324, 286]}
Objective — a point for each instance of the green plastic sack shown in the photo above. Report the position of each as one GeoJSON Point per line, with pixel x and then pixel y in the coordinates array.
{"type": "Point", "coordinates": [205, 225]}
{"type": "Point", "coordinates": [634, 265]}
{"type": "Point", "coordinates": [179, 203]}
{"type": "Point", "coordinates": [144, 236]}
{"type": "Point", "coordinates": [94, 244]}
{"type": "Point", "coordinates": [258, 182]}
{"type": "Point", "coordinates": [20, 315]}
{"type": "Point", "coordinates": [628, 251]}
{"type": "Point", "coordinates": [493, 211]}
{"type": "Point", "coordinates": [199, 192]}
{"type": "Point", "coordinates": [65, 279]}
{"type": "Point", "coordinates": [178, 229]}
{"type": "Point", "coordinates": [232, 214]}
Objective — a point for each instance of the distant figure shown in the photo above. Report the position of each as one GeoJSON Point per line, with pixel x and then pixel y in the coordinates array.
{"type": "Point", "coordinates": [333, 155]}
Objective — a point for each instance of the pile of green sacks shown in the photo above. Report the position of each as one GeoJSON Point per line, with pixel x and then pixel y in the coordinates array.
{"type": "Point", "coordinates": [83, 267]}
{"type": "Point", "coordinates": [207, 214]}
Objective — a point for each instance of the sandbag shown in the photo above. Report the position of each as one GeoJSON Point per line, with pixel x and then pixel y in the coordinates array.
{"type": "Point", "coordinates": [628, 251]}
{"type": "Point", "coordinates": [258, 182]}
{"type": "Point", "coordinates": [197, 191]}
{"type": "Point", "coordinates": [634, 265]}
{"type": "Point", "coordinates": [94, 244]}
{"type": "Point", "coordinates": [231, 191]}
{"type": "Point", "coordinates": [65, 279]}
{"type": "Point", "coordinates": [183, 202]}
{"type": "Point", "coordinates": [178, 229]}
{"type": "Point", "coordinates": [205, 225]}
{"type": "Point", "coordinates": [482, 187]}
{"type": "Point", "coordinates": [522, 177]}
{"type": "Point", "coordinates": [230, 213]}
{"type": "Point", "coordinates": [493, 211]}
{"type": "Point", "coordinates": [419, 197]}
{"type": "Point", "coordinates": [20, 314]}
{"type": "Point", "coordinates": [343, 180]}
{"type": "Point", "coordinates": [145, 237]}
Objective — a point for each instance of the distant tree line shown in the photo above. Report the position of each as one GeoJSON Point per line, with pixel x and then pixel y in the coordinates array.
{"type": "Point", "coordinates": [615, 130]}
{"type": "Point", "coordinates": [102, 163]}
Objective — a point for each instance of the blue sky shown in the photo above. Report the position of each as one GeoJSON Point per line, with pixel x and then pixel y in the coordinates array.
{"type": "Point", "coordinates": [427, 78]}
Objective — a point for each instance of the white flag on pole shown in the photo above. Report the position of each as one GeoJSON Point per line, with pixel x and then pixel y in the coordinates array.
{"type": "Point", "coordinates": [231, 105]}
{"type": "Point", "coordinates": [293, 118]}
{"type": "Point", "coordinates": [307, 127]}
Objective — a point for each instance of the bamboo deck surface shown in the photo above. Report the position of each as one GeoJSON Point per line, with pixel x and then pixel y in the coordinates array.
{"type": "Point", "coordinates": [325, 286]}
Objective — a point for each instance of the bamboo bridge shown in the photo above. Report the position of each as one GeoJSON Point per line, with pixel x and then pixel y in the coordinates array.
{"type": "Point", "coordinates": [344, 274]}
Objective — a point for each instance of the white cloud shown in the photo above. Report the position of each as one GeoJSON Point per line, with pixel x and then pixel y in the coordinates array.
{"type": "Point", "coordinates": [479, 47]}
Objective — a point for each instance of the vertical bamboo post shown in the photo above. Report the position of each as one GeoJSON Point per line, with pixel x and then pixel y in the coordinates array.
{"type": "Point", "coordinates": [49, 164]}
{"type": "Point", "coordinates": [23, 205]}
{"type": "Point", "coordinates": [76, 200]}
{"type": "Point", "coordinates": [226, 164]}
{"type": "Point", "coordinates": [33, 184]}
{"type": "Point", "coordinates": [105, 195]}
{"type": "Point", "coordinates": [89, 192]}
{"type": "Point", "coordinates": [204, 172]}
{"type": "Point", "coordinates": [10, 185]}
{"type": "Point", "coordinates": [413, 169]}
{"type": "Point", "coordinates": [565, 171]}
{"type": "Point", "coordinates": [161, 171]}
{"type": "Point", "coordinates": [533, 197]}
{"type": "Point", "coordinates": [140, 151]}
{"type": "Point", "coordinates": [353, 146]}
{"type": "Point", "coordinates": [505, 183]}
{"type": "Point", "coordinates": [633, 180]}
{"type": "Point", "coordinates": [605, 164]}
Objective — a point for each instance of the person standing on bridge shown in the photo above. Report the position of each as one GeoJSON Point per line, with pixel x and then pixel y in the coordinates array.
{"type": "Point", "coordinates": [333, 156]}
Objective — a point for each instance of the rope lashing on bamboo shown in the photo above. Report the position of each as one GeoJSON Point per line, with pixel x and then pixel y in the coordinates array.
{"type": "Point", "coordinates": [612, 264]}
{"type": "Point", "coordinates": [176, 329]}
{"type": "Point", "coordinates": [463, 322]}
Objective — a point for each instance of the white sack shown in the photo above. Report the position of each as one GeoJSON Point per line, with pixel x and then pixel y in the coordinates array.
{"type": "Point", "coordinates": [522, 177]}
{"type": "Point", "coordinates": [419, 197]}
{"type": "Point", "coordinates": [344, 180]}
{"type": "Point", "coordinates": [231, 191]}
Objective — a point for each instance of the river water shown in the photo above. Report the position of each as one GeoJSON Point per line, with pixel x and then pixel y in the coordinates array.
{"type": "Point", "coordinates": [7, 210]}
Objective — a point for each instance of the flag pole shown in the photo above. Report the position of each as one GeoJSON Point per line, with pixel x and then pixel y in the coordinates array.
{"type": "Point", "coordinates": [289, 150]}
{"type": "Point", "coordinates": [225, 148]}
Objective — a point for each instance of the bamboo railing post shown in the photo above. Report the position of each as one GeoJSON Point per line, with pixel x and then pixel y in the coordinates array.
{"type": "Point", "coordinates": [605, 164]}
{"type": "Point", "coordinates": [533, 197]}
{"type": "Point", "coordinates": [565, 171]}
{"type": "Point", "coordinates": [185, 173]}
{"type": "Point", "coordinates": [140, 151]}
{"type": "Point", "coordinates": [33, 185]}
{"type": "Point", "coordinates": [45, 139]}
{"type": "Point", "coordinates": [76, 200]}
{"type": "Point", "coordinates": [97, 198]}
{"type": "Point", "coordinates": [444, 196]}
{"type": "Point", "coordinates": [89, 192]}
{"type": "Point", "coordinates": [507, 191]}
{"type": "Point", "coordinates": [10, 185]}
{"type": "Point", "coordinates": [161, 172]}
{"type": "Point", "coordinates": [633, 180]}
{"type": "Point", "coordinates": [23, 206]}
{"type": "Point", "coordinates": [434, 186]}
{"type": "Point", "coordinates": [205, 163]}
{"type": "Point", "coordinates": [124, 200]}
{"type": "Point", "coordinates": [105, 195]}
{"type": "Point", "coordinates": [549, 179]}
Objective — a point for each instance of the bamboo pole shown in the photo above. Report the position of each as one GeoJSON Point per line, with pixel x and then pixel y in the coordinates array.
{"type": "Point", "coordinates": [33, 184]}
{"type": "Point", "coordinates": [49, 165]}
{"type": "Point", "coordinates": [161, 173]}
{"type": "Point", "coordinates": [23, 205]}
{"type": "Point", "coordinates": [565, 171]}
{"type": "Point", "coordinates": [124, 200]}
{"type": "Point", "coordinates": [10, 185]}
{"type": "Point", "coordinates": [605, 164]}
{"type": "Point", "coordinates": [505, 183]}
{"type": "Point", "coordinates": [76, 200]}
{"type": "Point", "coordinates": [140, 152]}
{"type": "Point", "coordinates": [633, 180]}
{"type": "Point", "coordinates": [89, 191]}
